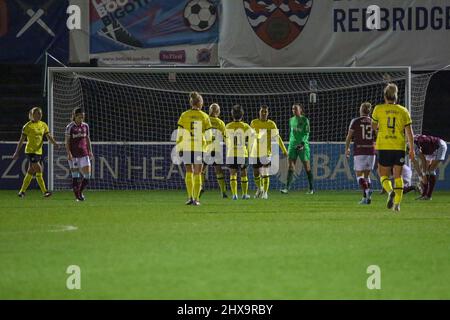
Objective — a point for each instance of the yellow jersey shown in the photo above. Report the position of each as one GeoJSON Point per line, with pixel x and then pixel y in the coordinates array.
{"type": "Point", "coordinates": [35, 133]}
{"type": "Point", "coordinates": [192, 125]}
{"type": "Point", "coordinates": [392, 120]}
{"type": "Point", "coordinates": [265, 132]}
{"type": "Point", "coordinates": [218, 134]}
{"type": "Point", "coordinates": [239, 137]}
{"type": "Point", "coordinates": [217, 125]}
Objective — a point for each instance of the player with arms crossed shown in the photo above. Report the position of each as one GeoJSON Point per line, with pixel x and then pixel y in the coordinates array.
{"type": "Point", "coordinates": [361, 132]}
{"type": "Point", "coordinates": [218, 134]}
{"type": "Point", "coordinates": [34, 132]}
{"type": "Point", "coordinates": [79, 152]}
{"type": "Point", "coordinates": [266, 130]}
{"type": "Point", "coordinates": [431, 151]}
{"type": "Point", "coordinates": [239, 139]}
{"type": "Point", "coordinates": [192, 135]}
{"type": "Point", "coordinates": [299, 147]}
{"type": "Point", "coordinates": [392, 120]}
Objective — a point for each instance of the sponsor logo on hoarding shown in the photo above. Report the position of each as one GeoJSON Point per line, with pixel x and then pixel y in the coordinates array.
{"type": "Point", "coordinates": [173, 56]}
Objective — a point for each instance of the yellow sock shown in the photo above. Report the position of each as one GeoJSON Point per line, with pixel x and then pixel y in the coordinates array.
{"type": "Point", "coordinates": [197, 186]}
{"type": "Point", "coordinates": [258, 182]}
{"type": "Point", "coordinates": [188, 179]}
{"type": "Point", "coordinates": [233, 184]}
{"type": "Point", "coordinates": [41, 182]}
{"type": "Point", "coordinates": [26, 182]}
{"type": "Point", "coordinates": [244, 185]}
{"type": "Point", "coordinates": [221, 182]}
{"type": "Point", "coordinates": [386, 183]}
{"type": "Point", "coordinates": [398, 190]}
{"type": "Point", "coordinates": [266, 182]}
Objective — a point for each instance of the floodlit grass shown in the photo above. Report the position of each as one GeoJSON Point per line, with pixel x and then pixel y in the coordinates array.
{"type": "Point", "coordinates": [149, 245]}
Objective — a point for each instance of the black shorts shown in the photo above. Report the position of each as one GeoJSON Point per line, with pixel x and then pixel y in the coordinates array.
{"type": "Point", "coordinates": [207, 157]}
{"type": "Point", "coordinates": [34, 158]}
{"type": "Point", "coordinates": [260, 162]}
{"type": "Point", "coordinates": [237, 163]}
{"type": "Point", "coordinates": [192, 157]}
{"type": "Point", "coordinates": [390, 158]}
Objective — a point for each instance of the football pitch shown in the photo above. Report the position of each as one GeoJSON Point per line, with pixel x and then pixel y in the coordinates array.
{"type": "Point", "coordinates": [149, 245]}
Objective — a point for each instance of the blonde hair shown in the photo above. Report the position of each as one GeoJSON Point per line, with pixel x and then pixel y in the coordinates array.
{"type": "Point", "coordinates": [366, 108]}
{"type": "Point", "coordinates": [195, 99]}
{"type": "Point", "coordinates": [391, 92]}
{"type": "Point", "coordinates": [214, 108]}
{"type": "Point", "coordinates": [32, 111]}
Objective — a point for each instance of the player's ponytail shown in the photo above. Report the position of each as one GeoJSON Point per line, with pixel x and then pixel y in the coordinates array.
{"type": "Point", "coordinates": [195, 99]}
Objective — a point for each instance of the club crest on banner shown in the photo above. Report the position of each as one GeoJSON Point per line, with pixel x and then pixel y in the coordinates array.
{"type": "Point", "coordinates": [278, 22]}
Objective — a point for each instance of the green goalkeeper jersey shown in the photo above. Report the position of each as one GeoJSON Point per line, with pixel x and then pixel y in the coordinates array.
{"type": "Point", "coordinates": [299, 130]}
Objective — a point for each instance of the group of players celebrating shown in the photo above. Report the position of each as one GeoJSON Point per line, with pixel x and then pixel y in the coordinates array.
{"type": "Point", "coordinates": [199, 143]}
{"type": "Point", "coordinates": [199, 133]}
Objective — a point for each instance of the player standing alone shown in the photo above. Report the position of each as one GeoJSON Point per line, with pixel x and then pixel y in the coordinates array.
{"type": "Point", "coordinates": [392, 121]}
{"type": "Point", "coordinates": [361, 132]}
{"type": "Point", "coordinates": [193, 132]}
{"type": "Point", "coordinates": [266, 131]}
{"type": "Point", "coordinates": [34, 131]}
{"type": "Point", "coordinates": [299, 147]}
{"type": "Point", "coordinates": [79, 152]}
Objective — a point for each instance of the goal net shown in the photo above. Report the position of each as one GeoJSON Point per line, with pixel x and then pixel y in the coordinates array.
{"type": "Point", "coordinates": [132, 114]}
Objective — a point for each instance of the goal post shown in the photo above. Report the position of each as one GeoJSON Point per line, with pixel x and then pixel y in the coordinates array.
{"type": "Point", "coordinates": [132, 113]}
{"type": "Point", "coordinates": [51, 185]}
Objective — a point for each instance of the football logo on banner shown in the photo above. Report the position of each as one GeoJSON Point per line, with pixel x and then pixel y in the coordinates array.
{"type": "Point", "coordinates": [200, 15]}
{"type": "Point", "coordinates": [278, 22]}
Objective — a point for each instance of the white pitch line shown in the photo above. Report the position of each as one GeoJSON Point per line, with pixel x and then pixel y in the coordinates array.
{"type": "Point", "coordinates": [56, 228]}
{"type": "Point", "coordinates": [63, 229]}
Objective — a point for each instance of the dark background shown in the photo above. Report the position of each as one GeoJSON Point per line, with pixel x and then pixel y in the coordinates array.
{"type": "Point", "coordinates": [21, 88]}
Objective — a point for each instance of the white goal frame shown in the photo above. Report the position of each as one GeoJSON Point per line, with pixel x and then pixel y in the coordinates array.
{"type": "Point", "coordinates": [53, 70]}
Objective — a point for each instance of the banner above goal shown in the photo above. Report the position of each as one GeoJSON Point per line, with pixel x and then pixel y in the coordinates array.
{"type": "Point", "coordinates": [307, 33]}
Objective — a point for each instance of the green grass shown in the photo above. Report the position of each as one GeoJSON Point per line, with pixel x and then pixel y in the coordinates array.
{"type": "Point", "coordinates": [149, 245]}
